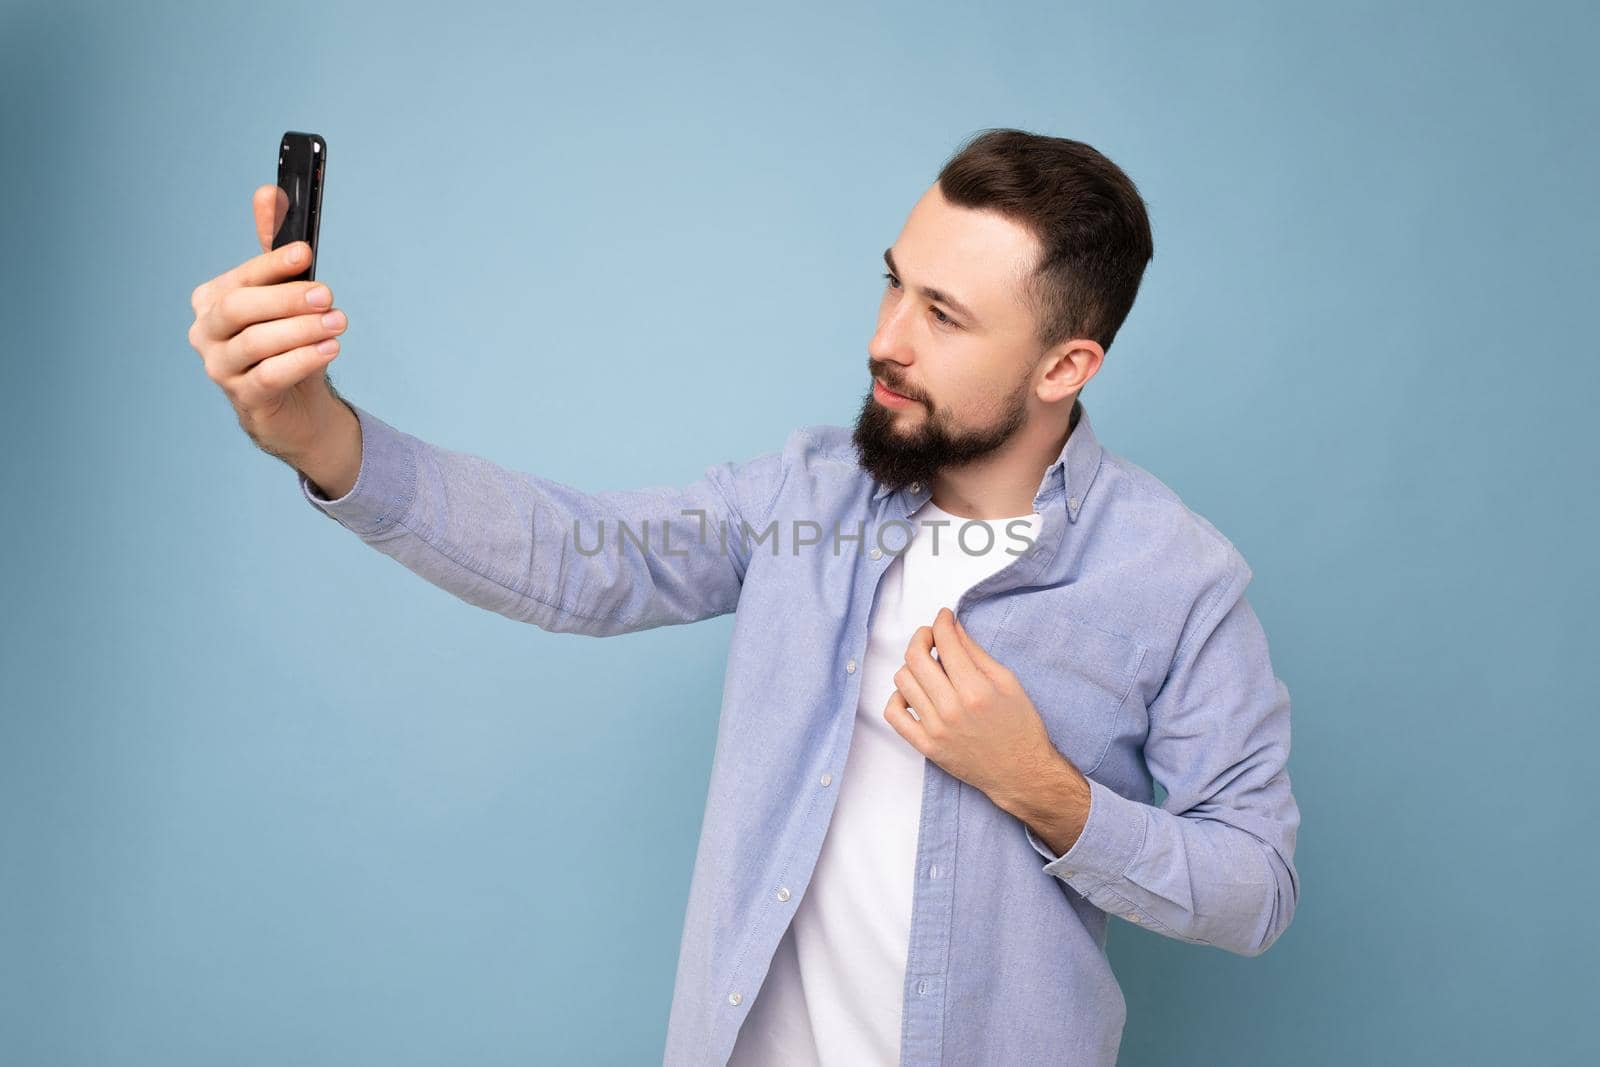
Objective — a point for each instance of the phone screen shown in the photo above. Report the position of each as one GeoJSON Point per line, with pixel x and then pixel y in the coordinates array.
{"type": "Point", "coordinates": [302, 158]}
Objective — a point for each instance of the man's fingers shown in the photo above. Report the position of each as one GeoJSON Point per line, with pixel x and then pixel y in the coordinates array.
{"type": "Point", "coordinates": [266, 340]}
{"type": "Point", "coordinates": [269, 204]}
{"type": "Point", "coordinates": [280, 373]}
{"type": "Point", "coordinates": [910, 689]}
{"type": "Point", "coordinates": [927, 669]}
{"type": "Point", "coordinates": [268, 268]}
{"type": "Point", "coordinates": [238, 308]}
{"type": "Point", "coordinates": [897, 714]}
{"type": "Point", "coordinates": [953, 656]}
{"type": "Point", "coordinates": [923, 682]}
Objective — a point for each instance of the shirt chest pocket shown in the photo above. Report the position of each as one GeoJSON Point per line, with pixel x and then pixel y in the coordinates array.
{"type": "Point", "coordinates": [1079, 678]}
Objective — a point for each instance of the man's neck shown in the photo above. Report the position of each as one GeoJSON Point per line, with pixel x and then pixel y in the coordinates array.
{"type": "Point", "coordinates": [1002, 485]}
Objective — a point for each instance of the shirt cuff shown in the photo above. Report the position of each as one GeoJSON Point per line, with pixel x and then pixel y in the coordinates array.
{"type": "Point", "coordinates": [385, 486]}
{"type": "Point", "coordinates": [1111, 839]}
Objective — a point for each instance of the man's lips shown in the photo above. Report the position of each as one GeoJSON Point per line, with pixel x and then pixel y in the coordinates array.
{"type": "Point", "coordinates": [889, 396]}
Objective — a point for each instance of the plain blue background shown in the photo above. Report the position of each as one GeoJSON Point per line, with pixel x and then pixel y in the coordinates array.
{"type": "Point", "coordinates": [265, 797]}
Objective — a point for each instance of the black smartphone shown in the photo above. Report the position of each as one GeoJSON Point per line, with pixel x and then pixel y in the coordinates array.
{"type": "Point", "coordinates": [302, 158]}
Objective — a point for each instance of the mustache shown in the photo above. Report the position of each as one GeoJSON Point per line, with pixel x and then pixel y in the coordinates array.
{"type": "Point", "coordinates": [894, 386]}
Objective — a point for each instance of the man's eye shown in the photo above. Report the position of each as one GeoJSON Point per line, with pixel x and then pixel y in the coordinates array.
{"type": "Point", "coordinates": [943, 319]}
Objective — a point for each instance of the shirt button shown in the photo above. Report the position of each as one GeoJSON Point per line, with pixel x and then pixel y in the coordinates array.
{"type": "Point", "coordinates": [1131, 917]}
{"type": "Point", "coordinates": [826, 779]}
{"type": "Point", "coordinates": [876, 553]}
{"type": "Point", "coordinates": [1072, 502]}
{"type": "Point", "coordinates": [850, 668]}
{"type": "Point", "coordinates": [734, 998]}
{"type": "Point", "coordinates": [933, 871]}
{"type": "Point", "coordinates": [916, 487]}
{"type": "Point", "coordinates": [783, 892]}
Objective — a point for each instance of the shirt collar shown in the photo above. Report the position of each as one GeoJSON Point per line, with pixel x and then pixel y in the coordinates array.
{"type": "Point", "coordinates": [1069, 476]}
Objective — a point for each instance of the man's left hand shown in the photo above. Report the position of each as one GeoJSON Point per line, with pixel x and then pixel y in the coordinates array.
{"type": "Point", "coordinates": [976, 721]}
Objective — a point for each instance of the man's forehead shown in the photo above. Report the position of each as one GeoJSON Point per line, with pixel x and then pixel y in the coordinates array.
{"type": "Point", "coordinates": [950, 236]}
{"type": "Point", "coordinates": [980, 257]}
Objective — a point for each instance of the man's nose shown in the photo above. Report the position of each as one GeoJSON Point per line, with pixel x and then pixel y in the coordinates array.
{"type": "Point", "coordinates": [890, 341]}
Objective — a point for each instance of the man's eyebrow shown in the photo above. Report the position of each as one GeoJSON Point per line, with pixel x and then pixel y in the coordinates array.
{"type": "Point", "coordinates": [932, 294]}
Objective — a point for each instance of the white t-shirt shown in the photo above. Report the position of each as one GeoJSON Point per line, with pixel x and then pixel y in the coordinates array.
{"type": "Point", "coordinates": [833, 992]}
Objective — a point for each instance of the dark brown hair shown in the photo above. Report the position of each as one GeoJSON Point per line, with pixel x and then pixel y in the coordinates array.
{"type": "Point", "coordinates": [1086, 213]}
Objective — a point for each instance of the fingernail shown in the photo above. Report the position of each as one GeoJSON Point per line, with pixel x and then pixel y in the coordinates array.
{"type": "Point", "coordinates": [330, 345]}
{"type": "Point", "coordinates": [319, 296]}
{"type": "Point", "coordinates": [333, 320]}
{"type": "Point", "coordinates": [297, 253]}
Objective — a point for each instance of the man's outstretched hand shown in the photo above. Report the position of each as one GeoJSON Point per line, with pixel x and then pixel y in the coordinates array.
{"type": "Point", "coordinates": [267, 342]}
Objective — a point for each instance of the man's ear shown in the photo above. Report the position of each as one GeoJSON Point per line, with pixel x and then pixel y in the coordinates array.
{"type": "Point", "coordinates": [1068, 368]}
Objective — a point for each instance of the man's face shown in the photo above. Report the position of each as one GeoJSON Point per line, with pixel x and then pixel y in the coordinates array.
{"type": "Point", "coordinates": [964, 361]}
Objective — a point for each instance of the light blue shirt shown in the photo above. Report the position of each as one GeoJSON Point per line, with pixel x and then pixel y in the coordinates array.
{"type": "Point", "coordinates": [1126, 623]}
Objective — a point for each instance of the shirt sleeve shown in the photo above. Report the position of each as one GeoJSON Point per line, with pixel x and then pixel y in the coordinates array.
{"type": "Point", "coordinates": [538, 551]}
{"type": "Point", "coordinates": [1213, 864]}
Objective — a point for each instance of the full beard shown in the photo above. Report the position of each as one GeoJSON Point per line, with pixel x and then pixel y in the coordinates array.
{"type": "Point", "coordinates": [897, 457]}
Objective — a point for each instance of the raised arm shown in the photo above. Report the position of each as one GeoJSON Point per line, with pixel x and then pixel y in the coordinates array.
{"type": "Point", "coordinates": [524, 546]}
{"type": "Point", "coordinates": [539, 551]}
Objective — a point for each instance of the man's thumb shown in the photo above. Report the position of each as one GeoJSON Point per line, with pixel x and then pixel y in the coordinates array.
{"type": "Point", "coordinates": [269, 204]}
